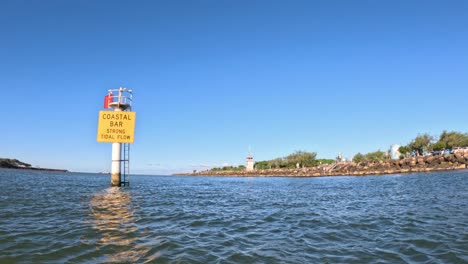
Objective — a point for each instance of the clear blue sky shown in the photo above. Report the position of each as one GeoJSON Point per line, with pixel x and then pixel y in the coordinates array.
{"type": "Point", "coordinates": [211, 78]}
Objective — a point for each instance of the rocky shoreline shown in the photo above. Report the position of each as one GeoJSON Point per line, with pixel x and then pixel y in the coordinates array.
{"type": "Point", "coordinates": [447, 162]}
{"type": "Point", "coordinates": [35, 169]}
{"type": "Point", "coordinates": [15, 164]}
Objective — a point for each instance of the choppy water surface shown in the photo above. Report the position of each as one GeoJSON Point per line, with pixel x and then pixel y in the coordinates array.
{"type": "Point", "coordinates": [77, 218]}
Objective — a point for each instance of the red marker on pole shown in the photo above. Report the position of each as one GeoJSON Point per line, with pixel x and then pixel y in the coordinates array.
{"type": "Point", "coordinates": [107, 100]}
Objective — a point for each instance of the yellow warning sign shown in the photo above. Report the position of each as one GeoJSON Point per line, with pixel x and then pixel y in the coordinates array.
{"type": "Point", "coordinates": [118, 127]}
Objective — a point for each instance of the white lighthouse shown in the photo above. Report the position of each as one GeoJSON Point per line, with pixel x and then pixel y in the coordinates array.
{"type": "Point", "coordinates": [250, 163]}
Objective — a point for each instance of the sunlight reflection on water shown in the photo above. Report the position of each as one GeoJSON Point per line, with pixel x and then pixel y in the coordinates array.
{"type": "Point", "coordinates": [113, 217]}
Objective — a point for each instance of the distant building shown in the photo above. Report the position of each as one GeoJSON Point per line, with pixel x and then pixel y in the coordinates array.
{"type": "Point", "coordinates": [339, 158]}
{"type": "Point", "coordinates": [395, 152]}
{"type": "Point", "coordinates": [250, 163]}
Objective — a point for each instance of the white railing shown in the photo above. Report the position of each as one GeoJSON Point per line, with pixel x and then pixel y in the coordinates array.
{"type": "Point", "coordinates": [122, 96]}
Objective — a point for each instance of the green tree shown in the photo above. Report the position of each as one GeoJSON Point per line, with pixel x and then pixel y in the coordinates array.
{"type": "Point", "coordinates": [404, 151]}
{"type": "Point", "coordinates": [439, 146]}
{"type": "Point", "coordinates": [375, 156]}
{"type": "Point", "coordinates": [358, 158]}
{"type": "Point", "coordinates": [421, 143]}
{"type": "Point", "coordinates": [278, 163]}
{"type": "Point", "coordinates": [261, 165]}
{"type": "Point", "coordinates": [371, 156]}
{"type": "Point", "coordinates": [306, 159]}
{"type": "Point", "coordinates": [229, 168]}
{"type": "Point", "coordinates": [453, 139]}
